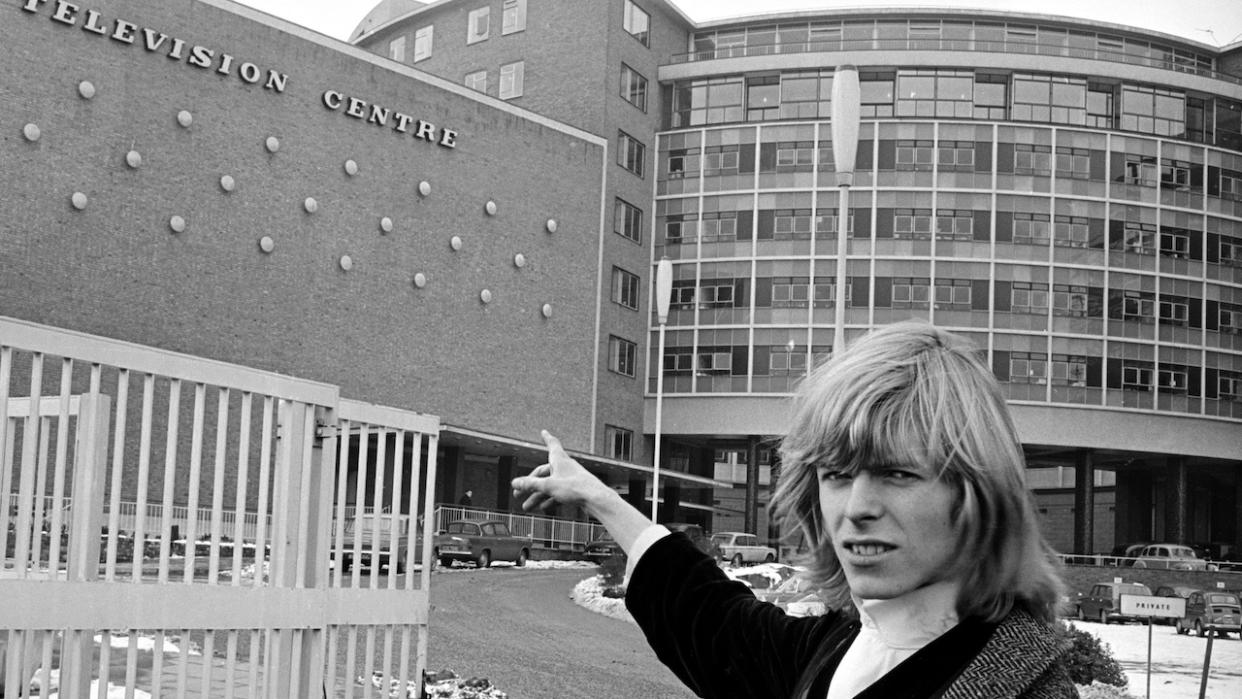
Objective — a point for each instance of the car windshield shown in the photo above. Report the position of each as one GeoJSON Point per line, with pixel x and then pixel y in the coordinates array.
{"type": "Point", "coordinates": [1181, 552]}
{"type": "Point", "coordinates": [720, 538]}
{"type": "Point", "coordinates": [463, 528]}
{"type": "Point", "coordinates": [1221, 598]}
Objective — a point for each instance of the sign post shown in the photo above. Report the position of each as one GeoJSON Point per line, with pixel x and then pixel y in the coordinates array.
{"type": "Point", "coordinates": [1150, 606]}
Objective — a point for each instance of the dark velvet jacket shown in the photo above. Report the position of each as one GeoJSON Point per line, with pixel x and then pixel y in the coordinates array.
{"type": "Point", "coordinates": [725, 644]}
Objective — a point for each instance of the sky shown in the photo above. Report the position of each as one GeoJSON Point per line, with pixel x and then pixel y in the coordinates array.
{"type": "Point", "coordinates": [1213, 22]}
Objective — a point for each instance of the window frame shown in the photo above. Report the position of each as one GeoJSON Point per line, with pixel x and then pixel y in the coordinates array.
{"type": "Point", "coordinates": [622, 356]}
{"type": "Point", "coordinates": [473, 77]}
{"type": "Point", "coordinates": [634, 87]}
{"type": "Point", "coordinates": [516, 80]}
{"type": "Point", "coordinates": [512, 17]}
{"type": "Point", "coordinates": [474, 32]}
{"type": "Point", "coordinates": [631, 12]}
{"type": "Point", "coordinates": [619, 443]}
{"type": "Point", "coordinates": [424, 41]}
{"type": "Point", "coordinates": [631, 154]}
{"type": "Point", "coordinates": [633, 218]}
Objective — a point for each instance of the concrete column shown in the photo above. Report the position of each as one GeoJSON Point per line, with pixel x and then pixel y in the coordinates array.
{"type": "Point", "coordinates": [752, 484]}
{"type": "Point", "coordinates": [1178, 501]}
{"type": "Point", "coordinates": [504, 476]}
{"type": "Point", "coordinates": [1084, 502]}
{"type": "Point", "coordinates": [638, 495]}
{"type": "Point", "coordinates": [670, 509]}
{"type": "Point", "coordinates": [449, 475]}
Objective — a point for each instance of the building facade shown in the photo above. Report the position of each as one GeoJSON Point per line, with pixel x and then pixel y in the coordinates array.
{"type": "Point", "coordinates": [1067, 193]}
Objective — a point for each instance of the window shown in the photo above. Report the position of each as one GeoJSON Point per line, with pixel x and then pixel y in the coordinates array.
{"type": "Point", "coordinates": [621, 355]}
{"type": "Point", "coordinates": [718, 226]}
{"type": "Point", "coordinates": [720, 160]}
{"type": "Point", "coordinates": [914, 155]}
{"type": "Point", "coordinates": [513, 18]}
{"type": "Point", "coordinates": [1230, 387]}
{"type": "Point", "coordinates": [1031, 160]}
{"type": "Point", "coordinates": [631, 153]}
{"type": "Point", "coordinates": [715, 363]}
{"type": "Point", "coordinates": [785, 360]}
{"type": "Point", "coordinates": [633, 87]}
{"type": "Point", "coordinates": [619, 442]}
{"type": "Point", "coordinates": [422, 43]}
{"type": "Point", "coordinates": [1028, 297]}
{"type": "Point", "coordinates": [1172, 380]}
{"type": "Point", "coordinates": [1230, 251]}
{"type": "Point", "coordinates": [625, 288]}
{"type": "Point", "coordinates": [1069, 370]}
{"type": "Point", "coordinates": [791, 224]}
{"type": "Point", "coordinates": [1138, 306]}
{"type": "Point", "coordinates": [1071, 231]}
{"type": "Point", "coordinates": [1175, 312]}
{"type": "Point", "coordinates": [953, 294]}
{"type": "Point", "coordinates": [1135, 378]}
{"type": "Point", "coordinates": [637, 23]}
{"type": "Point", "coordinates": [1175, 175]}
{"type": "Point", "coordinates": [956, 155]}
{"type": "Point", "coordinates": [512, 77]}
{"type": "Point", "coordinates": [912, 223]}
{"type": "Point", "coordinates": [477, 25]}
{"type": "Point", "coordinates": [1074, 163]}
{"type": "Point", "coordinates": [1025, 367]}
{"type": "Point", "coordinates": [396, 49]}
{"type": "Point", "coordinates": [1139, 238]}
{"type": "Point", "coordinates": [911, 293]}
{"type": "Point", "coordinates": [1230, 185]}
{"type": "Point", "coordinates": [716, 293]}
{"type": "Point", "coordinates": [1231, 320]}
{"type": "Point", "coordinates": [1140, 171]}
{"type": "Point", "coordinates": [790, 292]}
{"type": "Point", "coordinates": [1030, 229]}
{"type": "Point", "coordinates": [1174, 242]}
{"type": "Point", "coordinates": [1069, 300]}
{"type": "Point", "coordinates": [477, 81]}
{"type": "Point", "coordinates": [627, 220]}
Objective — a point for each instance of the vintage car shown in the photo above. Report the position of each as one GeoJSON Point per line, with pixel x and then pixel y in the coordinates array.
{"type": "Point", "coordinates": [603, 548]}
{"type": "Point", "coordinates": [1211, 610]}
{"type": "Point", "coordinates": [371, 540]}
{"type": "Point", "coordinates": [1103, 602]}
{"type": "Point", "coordinates": [480, 543]}
{"type": "Point", "coordinates": [739, 547]}
{"type": "Point", "coordinates": [795, 596]}
{"type": "Point", "coordinates": [1170, 557]}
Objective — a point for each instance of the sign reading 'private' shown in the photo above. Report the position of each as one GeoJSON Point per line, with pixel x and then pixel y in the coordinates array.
{"type": "Point", "coordinates": [207, 58]}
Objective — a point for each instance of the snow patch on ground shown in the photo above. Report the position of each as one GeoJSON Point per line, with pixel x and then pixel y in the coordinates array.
{"type": "Point", "coordinates": [589, 593]}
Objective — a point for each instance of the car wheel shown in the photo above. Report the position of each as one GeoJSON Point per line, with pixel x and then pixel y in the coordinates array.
{"type": "Point", "coordinates": [737, 560]}
{"type": "Point", "coordinates": [1140, 564]}
{"type": "Point", "coordinates": [446, 562]}
{"type": "Point", "coordinates": [522, 557]}
{"type": "Point", "coordinates": [484, 560]}
{"type": "Point", "coordinates": [1082, 616]}
{"type": "Point", "coordinates": [769, 558]}
{"type": "Point", "coordinates": [1199, 629]}
{"type": "Point", "coordinates": [1103, 617]}
{"type": "Point", "coordinates": [1177, 626]}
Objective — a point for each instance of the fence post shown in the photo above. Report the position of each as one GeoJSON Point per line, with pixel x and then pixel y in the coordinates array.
{"type": "Point", "coordinates": [303, 511]}
{"type": "Point", "coordinates": [89, 489]}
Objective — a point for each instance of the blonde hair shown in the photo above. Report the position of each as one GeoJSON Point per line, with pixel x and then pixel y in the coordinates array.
{"type": "Point", "coordinates": [909, 393]}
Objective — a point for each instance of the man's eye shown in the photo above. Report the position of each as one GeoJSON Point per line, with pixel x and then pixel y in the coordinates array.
{"type": "Point", "coordinates": [899, 474]}
{"type": "Point", "coordinates": [833, 475]}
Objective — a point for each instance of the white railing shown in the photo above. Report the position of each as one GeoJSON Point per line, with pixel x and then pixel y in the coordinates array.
{"type": "Point", "coordinates": [547, 532]}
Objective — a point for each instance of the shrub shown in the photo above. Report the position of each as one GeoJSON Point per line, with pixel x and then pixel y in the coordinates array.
{"type": "Point", "coordinates": [1088, 660]}
{"type": "Point", "coordinates": [612, 571]}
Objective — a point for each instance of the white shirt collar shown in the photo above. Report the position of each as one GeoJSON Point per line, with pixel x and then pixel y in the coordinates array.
{"type": "Point", "coordinates": [914, 619]}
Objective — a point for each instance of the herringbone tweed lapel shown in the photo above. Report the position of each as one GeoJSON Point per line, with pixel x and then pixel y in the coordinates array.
{"type": "Point", "coordinates": [1020, 660]}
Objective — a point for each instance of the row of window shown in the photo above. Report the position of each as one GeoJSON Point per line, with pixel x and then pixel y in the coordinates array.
{"type": "Point", "coordinates": [512, 80]}
{"type": "Point", "coordinates": [981, 157]}
{"type": "Point", "coordinates": [1015, 367]}
{"type": "Point", "coordinates": [963, 94]}
{"type": "Point", "coordinates": [948, 34]}
{"type": "Point", "coordinates": [1035, 298]}
{"type": "Point", "coordinates": [1017, 227]}
{"type": "Point", "coordinates": [478, 28]}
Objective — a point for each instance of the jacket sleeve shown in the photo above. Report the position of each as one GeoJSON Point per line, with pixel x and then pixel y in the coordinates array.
{"type": "Point", "coordinates": [712, 632]}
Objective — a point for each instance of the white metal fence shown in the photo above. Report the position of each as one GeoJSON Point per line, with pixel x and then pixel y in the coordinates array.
{"type": "Point", "coordinates": [88, 423]}
{"type": "Point", "coordinates": [548, 532]}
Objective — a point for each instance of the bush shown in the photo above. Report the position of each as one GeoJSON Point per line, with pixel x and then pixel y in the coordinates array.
{"type": "Point", "coordinates": [1088, 660]}
{"type": "Point", "coordinates": [612, 571]}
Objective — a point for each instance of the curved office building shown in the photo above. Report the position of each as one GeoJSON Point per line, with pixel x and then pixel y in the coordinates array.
{"type": "Point", "coordinates": [1067, 193]}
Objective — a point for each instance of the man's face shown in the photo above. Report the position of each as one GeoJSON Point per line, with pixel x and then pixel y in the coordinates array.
{"type": "Point", "coordinates": [890, 527]}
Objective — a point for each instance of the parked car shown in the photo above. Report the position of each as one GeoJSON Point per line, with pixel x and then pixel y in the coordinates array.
{"type": "Point", "coordinates": [603, 548]}
{"type": "Point", "coordinates": [698, 536]}
{"type": "Point", "coordinates": [1103, 602]}
{"type": "Point", "coordinates": [796, 596]}
{"type": "Point", "coordinates": [1124, 554]}
{"type": "Point", "coordinates": [480, 543]}
{"type": "Point", "coordinates": [1182, 591]}
{"type": "Point", "coordinates": [740, 547]}
{"type": "Point", "coordinates": [371, 530]}
{"type": "Point", "coordinates": [1170, 557]}
{"type": "Point", "coordinates": [1211, 609]}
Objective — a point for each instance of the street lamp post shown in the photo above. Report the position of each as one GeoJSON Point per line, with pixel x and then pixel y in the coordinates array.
{"type": "Point", "coordinates": [664, 295]}
{"type": "Point", "coordinates": [846, 105]}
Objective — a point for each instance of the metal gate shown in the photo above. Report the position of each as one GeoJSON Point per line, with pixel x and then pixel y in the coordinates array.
{"type": "Point", "coordinates": [249, 601]}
